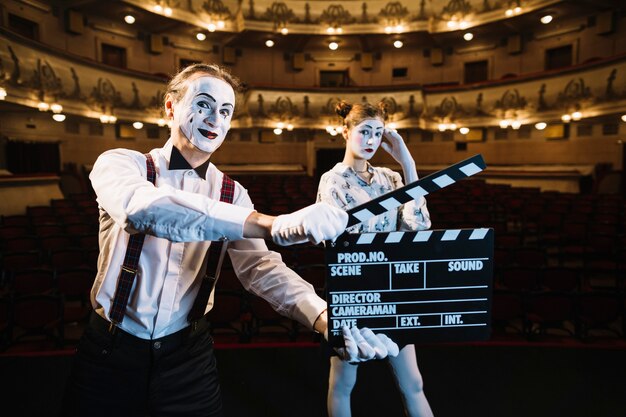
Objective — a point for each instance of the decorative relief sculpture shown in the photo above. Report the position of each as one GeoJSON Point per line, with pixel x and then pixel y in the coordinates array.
{"type": "Point", "coordinates": [336, 16]}
{"type": "Point", "coordinates": [280, 14]}
{"type": "Point", "coordinates": [575, 94]}
{"type": "Point", "coordinates": [283, 110]}
{"type": "Point", "coordinates": [394, 13]}
{"type": "Point", "coordinates": [511, 100]}
{"type": "Point", "coordinates": [105, 97]}
{"type": "Point", "coordinates": [45, 80]}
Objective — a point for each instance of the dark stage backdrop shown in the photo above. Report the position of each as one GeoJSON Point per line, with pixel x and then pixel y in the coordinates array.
{"type": "Point", "coordinates": [460, 380]}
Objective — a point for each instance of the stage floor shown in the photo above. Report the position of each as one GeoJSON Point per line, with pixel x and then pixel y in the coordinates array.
{"type": "Point", "coordinates": [460, 380]}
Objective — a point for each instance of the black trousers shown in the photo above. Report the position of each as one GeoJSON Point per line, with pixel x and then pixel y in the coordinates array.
{"type": "Point", "coordinates": [117, 374]}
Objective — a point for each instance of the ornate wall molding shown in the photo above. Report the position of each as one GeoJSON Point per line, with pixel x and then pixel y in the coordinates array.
{"type": "Point", "coordinates": [29, 75]}
{"type": "Point", "coordinates": [315, 16]}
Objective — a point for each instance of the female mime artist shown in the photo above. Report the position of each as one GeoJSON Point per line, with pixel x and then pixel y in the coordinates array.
{"type": "Point", "coordinates": [353, 182]}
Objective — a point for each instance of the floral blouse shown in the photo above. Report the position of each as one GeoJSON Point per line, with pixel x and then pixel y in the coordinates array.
{"type": "Point", "coordinates": [343, 188]}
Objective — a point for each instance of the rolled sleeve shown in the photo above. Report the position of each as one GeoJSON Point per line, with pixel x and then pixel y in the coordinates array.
{"type": "Point", "coordinates": [263, 273]}
{"type": "Point", "coordinates": [123, 191]}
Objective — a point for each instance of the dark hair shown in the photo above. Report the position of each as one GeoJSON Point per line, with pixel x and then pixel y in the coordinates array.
{"type": "Point", "coordinates": [353, 114]}
{"type": "Point", "coordinates": [177, 88]}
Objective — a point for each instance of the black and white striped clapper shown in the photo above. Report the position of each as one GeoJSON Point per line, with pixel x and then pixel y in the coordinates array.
{"type": "Point", "coordinates": [425, 286]}
{"type": "Point", "coordinates": [414, 190]}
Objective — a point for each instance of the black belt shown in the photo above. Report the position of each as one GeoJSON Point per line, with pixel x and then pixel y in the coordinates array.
{"type": "Point", "coordinates": [103, 326]}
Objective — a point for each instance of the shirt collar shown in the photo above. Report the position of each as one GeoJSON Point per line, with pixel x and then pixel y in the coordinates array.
{"type": "Point", "coordinates": [343, 168]}
{"type": "Point", "coordinates": [178, 162]}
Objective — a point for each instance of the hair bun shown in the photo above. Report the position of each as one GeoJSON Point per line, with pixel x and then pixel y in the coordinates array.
{"type": "Point", "coordinates": [343, 109]}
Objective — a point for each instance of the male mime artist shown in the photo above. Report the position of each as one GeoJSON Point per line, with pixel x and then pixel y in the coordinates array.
{"type": "Point", "coordinates": [147, 349]}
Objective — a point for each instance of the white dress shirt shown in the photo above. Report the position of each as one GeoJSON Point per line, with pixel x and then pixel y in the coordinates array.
{"type": "Point", "coordinates": [343, 188]}
{"type": "Point", "coordinates": [180, 216]}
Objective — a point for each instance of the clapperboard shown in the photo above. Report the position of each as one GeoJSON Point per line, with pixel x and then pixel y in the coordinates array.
{"type": "Point", "coordinates": [425, 286]}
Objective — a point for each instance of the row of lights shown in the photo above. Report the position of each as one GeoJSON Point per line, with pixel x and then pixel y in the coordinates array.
{"type": "Point", "coordinates": [453, 24]}
{"type": "Point", "coordinates": [468, 36]}
{"type": "Point", "coordinates": [211, 27]}
{"type": "Point", "coordinates": [278, 130]}
{"type": "Point", "coordinates": [513, 11]}
{"type": "Point", "coordinates": [58, 116]}
{"type": "Point", "coordinates": [167, 11]}
{"type": "Point", "coordinates": [55, 108]}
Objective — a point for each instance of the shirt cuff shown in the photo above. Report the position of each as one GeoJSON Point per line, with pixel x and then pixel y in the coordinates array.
{"type": "Point", "coordinates": [231, 221]}
{"type": "Point", "coordinates": [309, 309]}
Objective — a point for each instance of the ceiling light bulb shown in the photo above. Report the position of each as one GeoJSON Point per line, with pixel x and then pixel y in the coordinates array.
{"type": "Point", "coordinates": [200, 36]}
{"type": "Point", "coordinates": [333, 46]}
{"type": "Point", "coordinates": [442, 127]}
{"type": "Point", "coordinates": [161, 122]}
{"type": "Point", "coordinates": [509, 12]}
{"type": "Point", "coordinates": [278, 131]}
{"type": "Point", "coordinates": [56, 108]}
{"type": "Point", "coordinates": [566, 118]}
{"type": "Point", "coordinates": [339, 30]}
{"type": "Point", "coordinates": [269, 43]}
{"type": "Point", "coordinates": [112, 119]}
{"type": "Point", "coordinates": [399, 28]}
{"type": "Point", "coordinates": [130, 19]}
{"type": "Point", "coordinates": [452, 126]}
{"type": "Point", "coordinates": [468, 36]}
{"type": "Point", "coordinates": [504, 124]}
{"type": "Point", "coordinates": [398, 44]}
{"type": "Point", "coordinates": [463, 24]}
{"type": "Point", "coordinates": [137, 125]}
{"type": "Point", "coordinates": [624, 118]}
{"type": "Point", "coordinates": [540, 125]}
{"type": "Point", "coordinates": [289, 127]}
{"type": "Point", "coordinates": [211, 27]}
{"type": "Point", "coordinates": [330, 30]}
{"type": "Point", "coordinates": [546, 19]}
{"type": "Point", "coordinates": [388, 29]}
{"type": "Point", "coordinates": [104, 118]}
{"type": "Point", "coordinates": [167, 11]}
{"type": "Point", "coordinates": [516, 124]}
{"type": "Point", "coordinates": [280, 125]}
{"type": "Point", "coordinates": [452, 24]}
{"type": "Point", "coordinates": [3, 93]}
{"type": "Point", "coordinates": [284, 30]}
{"type": "Point", "coordinates": [464, 130]}
{"type": "Point", "coordinates": [517, 10]}
{"type": "Point", "coordinates": [43, 106]}
{"type": "Point", "coordinates": [58, 117]}
{"type": "Point", "coordinates": [221, 24]}
{"type": "Point", "coordinates": [158, 8]}
{"type": "Point", "coordinates": [577, 115]}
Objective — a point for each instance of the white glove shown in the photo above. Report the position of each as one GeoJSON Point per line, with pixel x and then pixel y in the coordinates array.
{"type": "Point", "coordinates": [396, 147]}
{"type": "Point", "coordinates": [315, 223]}
{"type": "Point", "coordinates": [363, 345]}
{"type": "Point", "coordinates": [392, 348]}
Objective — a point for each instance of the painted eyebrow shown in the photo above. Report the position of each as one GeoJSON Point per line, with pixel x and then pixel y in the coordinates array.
{"type": "Point", "coordinates": [215, 101]}
{"type": "Point", "coordinates": [378, 128]}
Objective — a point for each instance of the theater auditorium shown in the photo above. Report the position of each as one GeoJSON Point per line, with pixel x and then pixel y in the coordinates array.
{"type": "Point", "coordinates": [536, 87]}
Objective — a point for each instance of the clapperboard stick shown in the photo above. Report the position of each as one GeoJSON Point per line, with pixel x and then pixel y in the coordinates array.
{"type": "Point", "coordinates": [428, 184]}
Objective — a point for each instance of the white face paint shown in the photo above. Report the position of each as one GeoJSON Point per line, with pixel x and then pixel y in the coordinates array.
{"type": "Point", "coordinates": [204, 112]}
{"type": "Point", "coordinates": [364, 139]}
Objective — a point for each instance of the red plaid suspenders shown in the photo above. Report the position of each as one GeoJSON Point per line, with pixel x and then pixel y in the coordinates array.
{"type": "Point", "coordinates": [133, 251]}
{"type": "Point", "coordinates": [129, 266]}
{"type": "Point", "coordinates": [216, 252]}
